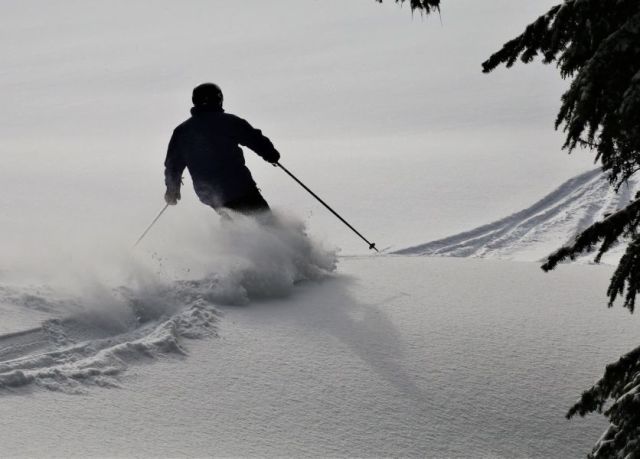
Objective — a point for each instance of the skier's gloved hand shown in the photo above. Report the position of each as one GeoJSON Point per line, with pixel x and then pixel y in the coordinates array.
{"type": "Point", "coordinates": [274, 157]}
{"type": "Point", "coordinates": [172, 197]}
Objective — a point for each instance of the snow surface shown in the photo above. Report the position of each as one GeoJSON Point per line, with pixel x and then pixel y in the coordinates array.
{"type": "Point", "coordinates": [394, 356]}
{"type": "Point", "coordinates": [534, 232]}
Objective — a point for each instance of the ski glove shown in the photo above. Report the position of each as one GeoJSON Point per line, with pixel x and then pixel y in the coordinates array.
{"type": "Point", "coordinates": [273, 157]}
{"type": "Point", "coordinates": [172, 197]}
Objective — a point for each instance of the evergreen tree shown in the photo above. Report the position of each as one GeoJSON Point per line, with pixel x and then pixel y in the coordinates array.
{"type": "Point", "coordinates": [596, 44]}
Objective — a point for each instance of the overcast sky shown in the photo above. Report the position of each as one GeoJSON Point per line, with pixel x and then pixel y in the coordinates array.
{"type": "Point", "coordinates": [385, 114]}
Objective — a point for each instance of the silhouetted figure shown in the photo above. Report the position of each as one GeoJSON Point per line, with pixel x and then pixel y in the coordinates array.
{"type": "Point", "coordinates": [208, 144]}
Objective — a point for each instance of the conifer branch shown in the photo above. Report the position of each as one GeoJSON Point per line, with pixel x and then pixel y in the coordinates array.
{"type": "Point", "coordinates": [425, 6]}
{"type": "Point", "coordinates": [621, 382]}
{"type": "Point", "coordinates": [588, 39]}
{"type": "Point", "coordinates": [619, 224]}
{"type": "Point", "coordinates": [627, 276]}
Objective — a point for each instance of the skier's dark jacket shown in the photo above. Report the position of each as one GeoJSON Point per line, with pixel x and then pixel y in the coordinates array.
{"type": "Point", "coordinates": [208, 145]}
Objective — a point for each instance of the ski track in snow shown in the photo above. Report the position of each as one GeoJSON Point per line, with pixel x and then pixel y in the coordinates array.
{"type": "Point", "coordinates": [73, 353]}
{"type": "Point", "coordinates": [534, 232]}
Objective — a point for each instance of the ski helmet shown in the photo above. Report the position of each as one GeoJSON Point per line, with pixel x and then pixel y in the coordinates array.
{"type": "Point", "coordinates": [207, 94]}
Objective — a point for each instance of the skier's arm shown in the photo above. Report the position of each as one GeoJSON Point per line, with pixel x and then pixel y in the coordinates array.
{"type": "Point", "coordinates": [174, 165]}
{"type": "Point", "coordinates": [254, 139]}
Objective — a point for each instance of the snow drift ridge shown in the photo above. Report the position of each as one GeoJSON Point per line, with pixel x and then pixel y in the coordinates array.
{"type": "Point", "coordinates": [534, 232]}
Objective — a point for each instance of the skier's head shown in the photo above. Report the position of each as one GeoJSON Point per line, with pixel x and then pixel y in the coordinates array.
{"type": "Point", "coordinates": [207, 95]}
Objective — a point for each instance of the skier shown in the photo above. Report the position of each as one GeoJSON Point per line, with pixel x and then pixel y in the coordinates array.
{"type": "Point", "coordinates": [208, 144]}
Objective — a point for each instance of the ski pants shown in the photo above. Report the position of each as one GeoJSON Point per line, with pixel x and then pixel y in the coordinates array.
{"type": "Point", "coordinates": [250, 203]}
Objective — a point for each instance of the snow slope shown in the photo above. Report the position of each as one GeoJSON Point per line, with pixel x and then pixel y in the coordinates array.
{"type": "Point", "coordinates": [275, 354]}
{"type": "Point", "coordinates": [537, 230]}
{"type": "Point", "coordinates": [395, 356]}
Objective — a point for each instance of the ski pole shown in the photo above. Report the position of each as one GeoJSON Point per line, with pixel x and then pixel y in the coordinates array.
{"type": "Point", "coordinates": [372, 246]}
{"type": "Point", "coordinates": [151, 225]}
